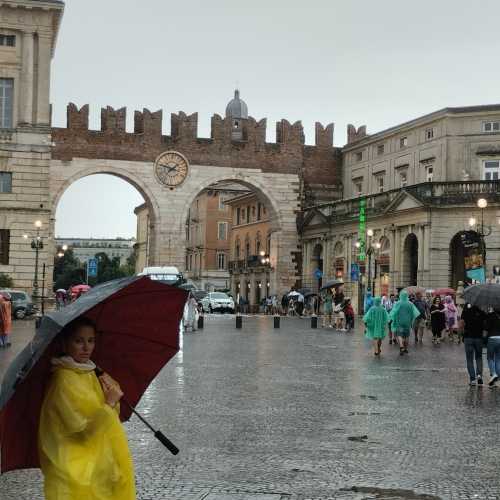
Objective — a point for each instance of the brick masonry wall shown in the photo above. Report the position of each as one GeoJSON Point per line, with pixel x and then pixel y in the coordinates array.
{"type": "Point", "coordinates": [319, 164]}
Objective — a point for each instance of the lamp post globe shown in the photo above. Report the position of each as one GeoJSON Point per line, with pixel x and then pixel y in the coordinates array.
{"type": "Point", "coordinates": [482, 203]}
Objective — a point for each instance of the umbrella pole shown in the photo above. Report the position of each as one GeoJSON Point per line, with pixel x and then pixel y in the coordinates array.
{"type": "Point", "coordinates": [157, 434]}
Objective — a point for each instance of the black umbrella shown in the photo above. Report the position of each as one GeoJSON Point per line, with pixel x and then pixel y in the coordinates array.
{"type": "Point", "coordinates": [484, 295]}
{"type": "Point", "coordinates": [332, 284]}
{"type": "Point", "coordinates": [305, 291]}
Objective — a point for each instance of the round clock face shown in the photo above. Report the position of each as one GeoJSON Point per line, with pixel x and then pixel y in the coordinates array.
{"type": "Point", "coordinates": [171, 168]}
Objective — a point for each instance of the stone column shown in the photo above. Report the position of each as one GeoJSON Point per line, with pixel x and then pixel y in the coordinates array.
{"type": "Point", "coordinates": [25, 100]}
{"type": "Point", "coordinates": [397, 258]}
{"type": "Point", "coordinates": [43, 82]}
{"type": "Point", "coordinates": [421, 249]}
{"type": "Point", "coordinates": [327, 257]}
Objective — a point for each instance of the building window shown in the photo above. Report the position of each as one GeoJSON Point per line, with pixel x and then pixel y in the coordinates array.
{"type": "Point", "coordinates": [4, 246]}
{"type": "Point", "coordinates": [221, 261]}
{"type": "Point", "coordinates": [5, 182]}
{"type": "Point", "coordinates": [259, 211]}
{"type": "Point", "coordinates": [8, 40]}
{"type": "Point", "coordinates": [237, 251]}
{"type": "Point", "coordinates": [491, 127]}
{"type": "Point", "coordinates": [242, 215]}
{"type": "Point", "coordinates": [429, 173]}
{"type": "Point", "coordinates": [358, 187]}
{"type": "Point", "coordinates": [238, 216]}
{"type": "Point", "coordinates": [380, 149]}
{"type": "Point", "coordinates": [6, 102]}
{"type": "Point", "coordinates": [429, 133]}
{"type": "Point", "coordinates": [403, 179]}
{"type": "Point", "coordinates": [491, 169]}
{"type": "Point", "coordinates": [359, 156]}
{"type": "Point", "coordinates": [222, 206]}
{"type": "Point", "coordinates": [257, 247]}
{"type": "Point", "coordinates": [380, 183]}
{"type": "Point", "coordinates": [222, 230]}
{"type": "Point", "coordinates": [403, 142]}
{"type": "Point", "coordinates": [248, 215]}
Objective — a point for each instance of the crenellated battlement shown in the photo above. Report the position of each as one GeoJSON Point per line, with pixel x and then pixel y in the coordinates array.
{"type": "Point", "coordinates": [354, 135]}
{"type": "Point", "coordinates": [318, 164]}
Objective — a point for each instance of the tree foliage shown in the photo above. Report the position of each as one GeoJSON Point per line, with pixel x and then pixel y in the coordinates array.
{"type": "Point", "coordinates": [6, 281]}
{"type": "Point", "coordinates": [69, 271]}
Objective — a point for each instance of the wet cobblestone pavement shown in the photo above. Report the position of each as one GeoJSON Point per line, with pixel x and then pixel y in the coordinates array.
{"type": "Point", "coordinates": [301, 414]}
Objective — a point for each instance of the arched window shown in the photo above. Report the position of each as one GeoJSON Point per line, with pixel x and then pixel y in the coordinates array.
{"type": "Point", "coordinates": [257, 243]}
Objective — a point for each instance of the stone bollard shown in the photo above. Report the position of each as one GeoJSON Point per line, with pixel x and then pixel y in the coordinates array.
{"type": "Point", "coordinates": [277, 320]}
{"type": "Point", "coordinates": [239, 321]}
{"type": "Point", "coordinates": [201, 321]}
{"type": "Point", "coordinates": [314, 322]}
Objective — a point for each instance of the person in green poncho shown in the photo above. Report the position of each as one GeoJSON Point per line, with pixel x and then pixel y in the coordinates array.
{"type": "Point", "coordinates": [376, 320]}
{"type": "Point", "coordinates": [403, 315]}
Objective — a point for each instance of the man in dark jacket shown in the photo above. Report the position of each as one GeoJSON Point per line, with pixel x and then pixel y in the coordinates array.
{"type": "Point", "coordinates": [473, 324]}
{"type": "Point", "coordinates": [423, 309]}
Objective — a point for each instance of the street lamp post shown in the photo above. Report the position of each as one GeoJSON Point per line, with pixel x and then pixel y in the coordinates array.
{"type": "Point", "coordinates": [37, 245]}
{"type": "Point", "coordinates": [482, 203]}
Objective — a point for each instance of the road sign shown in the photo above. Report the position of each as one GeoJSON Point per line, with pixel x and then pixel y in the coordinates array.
{"type": "Point", "coordinates": [318, 273]}
{"type": "Point", "coordinates": [92, 268]}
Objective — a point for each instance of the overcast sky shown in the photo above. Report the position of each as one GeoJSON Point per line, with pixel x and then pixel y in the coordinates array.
{"type": "Point", "coordinates": [375, 63]}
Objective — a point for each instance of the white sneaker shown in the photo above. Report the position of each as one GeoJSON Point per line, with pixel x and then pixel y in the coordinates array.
{"type": "Point", "coordinates": [472, 382]}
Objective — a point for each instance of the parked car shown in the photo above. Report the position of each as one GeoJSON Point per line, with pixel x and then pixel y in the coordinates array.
{"type": "Point", "coordinates": [217, 301]}
{"type": "Point", "coordinates": [166, 274]}
{"type": "Point", "coordinates": [22, 304]}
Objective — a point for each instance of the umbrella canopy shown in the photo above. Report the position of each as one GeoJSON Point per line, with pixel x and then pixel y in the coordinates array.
{"type": "Point", "coordinates": [294, 293]}
{"type": "Point", "coordinates": [137, 334]}
{"type": "Point", "coordinates": [310, 294]}
{"type": "Point", "coordinates": [305, 291]}
{"type": "Point", "coordinates": [444, 291]}
{"type": "Point", "coordinates": [413, 290]}
{"type": "Point", "coordinates": [484, 295]}
{"type": "Point", "coordinates": [332, 284]}
{"type": "Point", "coordinates": [61, 290]}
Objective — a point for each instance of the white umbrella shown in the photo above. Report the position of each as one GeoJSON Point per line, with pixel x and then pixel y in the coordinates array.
{"type": "Point", "coordinates": [293, 293]}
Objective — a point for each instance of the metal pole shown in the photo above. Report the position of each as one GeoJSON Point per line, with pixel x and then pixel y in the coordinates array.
{"type": "Point", "coordinates": [35, 281]}
{"type": "Point", "coordinates": [43, 288]}
{"type": "Point", "coordinates": [370, 270]}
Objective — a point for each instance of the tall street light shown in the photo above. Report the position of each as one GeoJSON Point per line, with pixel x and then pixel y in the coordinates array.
{"type": "Point", "coordinates": [37, 245]}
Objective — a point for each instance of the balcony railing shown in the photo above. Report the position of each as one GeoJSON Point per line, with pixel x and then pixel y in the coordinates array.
{"type": "Point", "coordinates": [428, 193]}
{"type": "Point", "coordinates": [252, 262]}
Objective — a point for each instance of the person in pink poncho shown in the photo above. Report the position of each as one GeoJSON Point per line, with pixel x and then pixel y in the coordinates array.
{"type": "Point", "coordinates": [451, 314]}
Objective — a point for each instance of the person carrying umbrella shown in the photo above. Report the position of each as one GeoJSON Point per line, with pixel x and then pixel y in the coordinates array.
{"type": "Point", "coordinates": [82, 445]}
{"type": "Point", "coordinates": [327, 309]}
{"type": "Point", "coordinates": [438, 320]}
{"type": "Point", "coordinates": [376, 320]}
{"type": "Point", "coordinates": [403, 315]}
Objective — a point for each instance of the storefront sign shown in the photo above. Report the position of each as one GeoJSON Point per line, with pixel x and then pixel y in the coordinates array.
{"type": "Point", "coordinates": [473, 256]}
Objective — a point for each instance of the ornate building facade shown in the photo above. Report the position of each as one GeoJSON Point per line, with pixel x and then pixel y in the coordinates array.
{"type": "Point", "coordinates": [410, 214]}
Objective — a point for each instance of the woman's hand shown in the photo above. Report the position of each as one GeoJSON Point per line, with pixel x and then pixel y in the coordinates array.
{"type": "Point", "coordinates": [111, 389]}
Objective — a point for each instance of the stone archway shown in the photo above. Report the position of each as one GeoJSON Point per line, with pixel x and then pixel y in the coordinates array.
{"type": "Point", "coordinates": [169, 207]}
{"type": "Point", "coordinates": [410, 260]}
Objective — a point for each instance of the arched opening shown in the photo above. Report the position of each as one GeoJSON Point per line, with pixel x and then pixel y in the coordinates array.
{"type": "Point", "coordinates": [410, 260]}
{"type": "Point", "coordinates": [466, 258]}
{"type": "Point", "coordinates": [95, 219]}
{"type": "Point", "coordinates": [231, 225]}
{"type": "Point", "coordinates": [382, 266]}
{"type": "Point", "coordinates": [338, 252]}
{"type": "Point", "coordinates": [317, 263]}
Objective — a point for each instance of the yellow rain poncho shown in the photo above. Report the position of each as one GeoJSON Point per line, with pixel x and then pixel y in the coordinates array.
{"type": "Point", "coordinates": [83, 448]}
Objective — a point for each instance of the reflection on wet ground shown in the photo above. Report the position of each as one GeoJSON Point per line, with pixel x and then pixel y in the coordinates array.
{"type": "Point", "coordinates": [297, 413]}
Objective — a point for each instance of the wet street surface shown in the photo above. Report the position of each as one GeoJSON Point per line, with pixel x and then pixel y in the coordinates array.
{"type": "Point", "coordinates": [302, 414]}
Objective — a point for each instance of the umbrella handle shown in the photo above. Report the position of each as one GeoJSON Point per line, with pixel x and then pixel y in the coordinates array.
{"type": "Point", "coordinates": [166, 442]}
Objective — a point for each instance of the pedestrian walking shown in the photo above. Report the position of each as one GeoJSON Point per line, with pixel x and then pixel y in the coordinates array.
{"type": "Point", "coordinates": [300, 304]}
{"type": "Point", "coordinates": [419, 325]}
{"type": "Point", "coordinates": [368, 302]}
{"type": "Point", "coordinates": [284, 304]}
{"type": "Point", "coordinates": [82, 445]}
{"type": "Point", "coordinates": [473, 325]}
{"type": "Point", "coordinates": [376, 320]}
{"type": "Point", "coordinates": [438, 320]}
{"type": "Point", "coordinates": [451, 314]}
{"type": "Point", "coordinates": [388, 304]}
{"type": "Point", "coordinates": [403, 315]}
{"type": "Point", "coordinates": [349, 315]}
{"type": "Point", "coordinates": [493, 347]}
{"type": "Point", "coordinates": [190, 316]}
{"type": "Point", "coordinates": [327, 309]}
{"type": "Point", "coordinates": [5, 321]}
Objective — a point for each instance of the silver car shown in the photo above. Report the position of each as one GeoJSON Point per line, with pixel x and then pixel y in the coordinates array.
{"type": "Point", "coordinates": [22, 304]}
{"type": "Point", "coordinates": [217, 301]}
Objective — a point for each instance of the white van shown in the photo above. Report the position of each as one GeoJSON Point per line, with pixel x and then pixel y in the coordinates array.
{"type": "Point", "coordinates": [166, 274]}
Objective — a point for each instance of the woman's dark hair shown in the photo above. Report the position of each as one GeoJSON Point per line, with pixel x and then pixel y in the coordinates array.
{"type": "Point", "coordinates": [437, 297]}
{"type": "Point", "coordinates": [74, 325]}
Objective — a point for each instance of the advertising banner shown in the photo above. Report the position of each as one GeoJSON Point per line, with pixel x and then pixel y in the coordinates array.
{"type": "Point", "coordinates": [473, 256]}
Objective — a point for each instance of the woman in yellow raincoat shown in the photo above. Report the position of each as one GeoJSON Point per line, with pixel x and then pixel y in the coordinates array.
{"type": "Point", "coordinates": [82, 445]}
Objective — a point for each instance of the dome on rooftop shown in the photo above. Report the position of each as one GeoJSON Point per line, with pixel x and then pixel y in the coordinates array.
{"type": "Point", "coordinates": [237, 108]}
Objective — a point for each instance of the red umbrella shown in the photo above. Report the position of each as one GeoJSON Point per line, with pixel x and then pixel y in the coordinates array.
{"type": "Point", "coordinates": [444, 291]}
{"type": "Point", "coordinates": [138, 333]}
{"type": "Point", "coordinates": [75, 290]}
